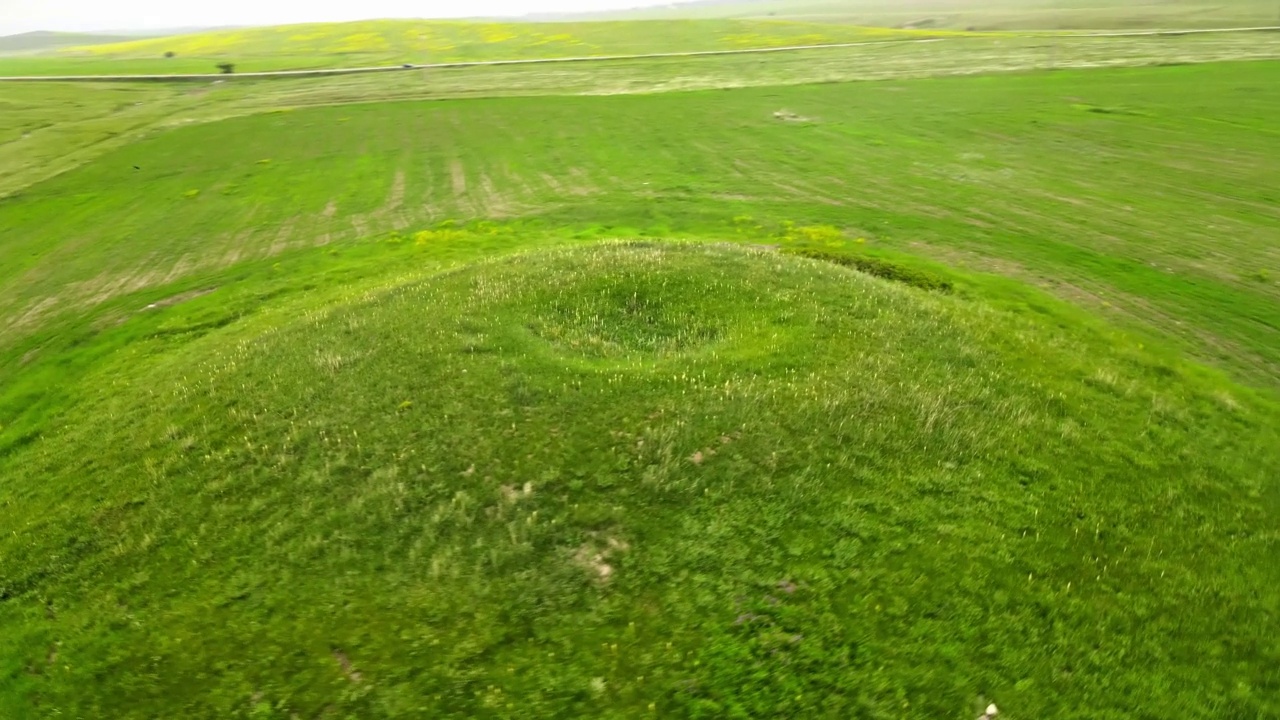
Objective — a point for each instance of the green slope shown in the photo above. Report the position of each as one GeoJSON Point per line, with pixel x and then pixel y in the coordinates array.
{"type": "Point", "coordinates": [616, 481]}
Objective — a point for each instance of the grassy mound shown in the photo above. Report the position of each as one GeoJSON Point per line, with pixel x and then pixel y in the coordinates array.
{"type": "Point", "coordinates": [639, 479]}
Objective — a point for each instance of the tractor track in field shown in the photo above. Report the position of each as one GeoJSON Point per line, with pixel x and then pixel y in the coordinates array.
{"type": "Point", "coordinates": [329, 72]}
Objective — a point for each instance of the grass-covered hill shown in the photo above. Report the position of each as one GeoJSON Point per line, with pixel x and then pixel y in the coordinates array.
{"type": "Point", "coordinates": [702, 387]}
{"type": "Point", "coordinates": [645, 478]}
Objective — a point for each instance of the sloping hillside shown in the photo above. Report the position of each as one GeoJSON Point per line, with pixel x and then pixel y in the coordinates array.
{"type": "Point", "coordinates": [423, 40]}
{"type": "Point", "coordinates": [38, 41]}
{"type": "Point", "coordinates": [994, 15]}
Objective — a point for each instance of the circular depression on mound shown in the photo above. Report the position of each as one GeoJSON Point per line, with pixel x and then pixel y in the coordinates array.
{"type": "Point", "coordinates": [587, 482]}
{"type": "Point", "coordinates": [623, 304]}
{"type": "Point", "coordinates": [644, 301]}
{"type": "Point", "coordinates": [606, 309]}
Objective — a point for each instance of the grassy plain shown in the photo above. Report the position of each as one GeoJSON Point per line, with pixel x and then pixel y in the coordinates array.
{"type": "Point", "coordinates": [1064, 175]}
{"type": "Point", "coordinates": [91, 119]}
{"type": "Point", "coordinates": [44, 65]}
{"type": "Point", "coordinates": [394, 42]}
{"type": "Point", "coordinates": [312, 408]}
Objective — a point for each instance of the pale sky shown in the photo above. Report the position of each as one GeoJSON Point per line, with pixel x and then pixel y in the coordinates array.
{"type": "Point", "coordinates": [25, 15]}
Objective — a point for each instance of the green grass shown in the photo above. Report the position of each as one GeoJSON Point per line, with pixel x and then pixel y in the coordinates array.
{"type": "Point", "coordinates": [91, 119]}
{"type": "Point", "coordinates": [1014, 173]}
{"type": "Point", "coordinates": [551, 392]}
{"type": "Point", "coordinates": [816, 493]}
{"type": "Point", "coordinates": [880, 268]}
{"type": "Point", "coordinates": [393, 42]}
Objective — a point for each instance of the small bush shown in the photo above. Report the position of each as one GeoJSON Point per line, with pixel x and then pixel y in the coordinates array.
{"type": "Point", "coordinates": [914, 277]}
{"type": "Point", "coordinates": [817, 234]}
{"type": "Point", "coordinates": [441, 235]}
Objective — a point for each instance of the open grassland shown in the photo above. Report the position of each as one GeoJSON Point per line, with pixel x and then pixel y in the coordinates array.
{"type": "Point", "coordinates": [988, 14]}
{"type": "Point", "coordinates": [394, 42]}
{"type": "Point", "coordinates": [46, 66]}
{"type": "Point", "coordinates": [92, 119]}
{"type": "Point", "coordinates": [638, 479]}
{"type": "Point", "coordinates": [1147, 193]}
{"type": "Point", "coordinates": [550, 391]}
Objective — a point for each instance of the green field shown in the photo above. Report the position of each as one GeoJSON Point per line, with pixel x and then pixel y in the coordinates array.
{"type": "Point", "coordinates": [91, 119]}
{"type": "Point", "coordinates": [873, 382]}
{"type": "Point", "coordinates": [395, 42]}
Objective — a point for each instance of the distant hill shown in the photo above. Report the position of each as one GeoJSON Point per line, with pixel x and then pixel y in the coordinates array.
{"type": "Point", "coordinates": [977, 14]}
{"type": "Point", "coordinates": [385, 41]}
{"type": "Point", "coordinates": [675, 10]}
{"type": "Point", "coordinates": [41, 40]}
